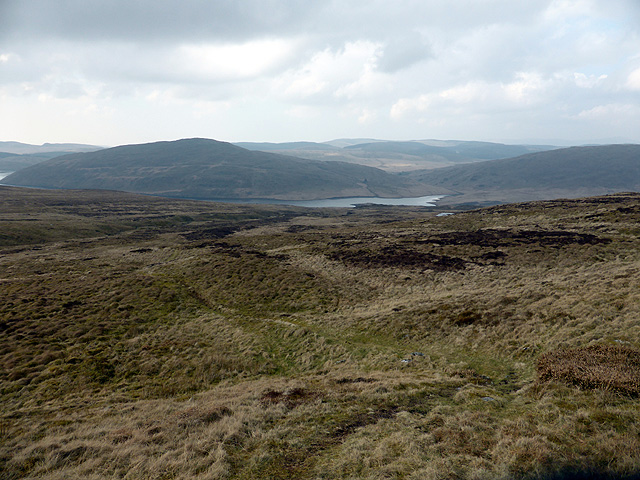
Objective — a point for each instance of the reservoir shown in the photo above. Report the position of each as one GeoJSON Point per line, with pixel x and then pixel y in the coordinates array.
{"type": "Point", "coordinates": [346, 202]}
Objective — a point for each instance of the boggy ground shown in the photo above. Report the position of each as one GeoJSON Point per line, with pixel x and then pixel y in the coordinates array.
{"type": "Point", "coordinates": [152, 338]}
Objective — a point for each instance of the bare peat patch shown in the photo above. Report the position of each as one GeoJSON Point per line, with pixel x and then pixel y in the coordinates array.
{"type": "Point", "coordinates": [398, 257]}
{"type": "Point", "coordinates": [502, 238]}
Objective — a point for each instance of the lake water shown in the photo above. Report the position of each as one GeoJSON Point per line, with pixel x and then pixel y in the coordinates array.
{"type": "Point", "coordinates": [347, 202]}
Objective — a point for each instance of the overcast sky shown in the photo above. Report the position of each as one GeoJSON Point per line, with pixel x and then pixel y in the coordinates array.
{"type": "Point", "coordinates": [111, 72]}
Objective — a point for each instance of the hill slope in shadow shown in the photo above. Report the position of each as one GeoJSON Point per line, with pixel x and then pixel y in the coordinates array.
{"type": "Point", "coordinates": [207, 169]}
{"type": "Point", "coordinates": [568, 172]}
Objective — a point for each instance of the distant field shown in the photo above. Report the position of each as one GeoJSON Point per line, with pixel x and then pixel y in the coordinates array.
{"type": "Point", "coordinates": [144, 337]}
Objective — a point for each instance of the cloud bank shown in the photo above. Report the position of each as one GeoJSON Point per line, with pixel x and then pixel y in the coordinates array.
{"type": "Point", "coordinates": [277, 70]}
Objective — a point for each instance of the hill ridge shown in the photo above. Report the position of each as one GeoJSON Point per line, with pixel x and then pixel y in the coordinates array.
{"type": "Point", "coordinates": [209, 169]}
{"type": "Point", "coordinates": [570, 172]}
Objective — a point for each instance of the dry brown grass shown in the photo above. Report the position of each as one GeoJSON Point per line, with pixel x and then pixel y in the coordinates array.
{"type": "Point", "coordinates": [609, 367]}
{"type": "Point", "coordinates": [192, 340]}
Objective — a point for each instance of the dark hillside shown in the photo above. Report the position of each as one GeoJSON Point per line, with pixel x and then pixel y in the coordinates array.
{"type": "Point", "coordinates": [12, 162]}
{"type": "Point", "coordinates": [202, 168]}
{"type": "Point", "coordinates": [571, 171]}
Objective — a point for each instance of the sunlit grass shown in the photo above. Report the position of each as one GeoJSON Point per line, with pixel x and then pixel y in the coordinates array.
{"type": "Point", "coordinates": [165, 339]}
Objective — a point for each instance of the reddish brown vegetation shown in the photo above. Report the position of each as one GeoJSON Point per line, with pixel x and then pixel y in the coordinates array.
{"type": "Point", "coordinates": [610, 367]}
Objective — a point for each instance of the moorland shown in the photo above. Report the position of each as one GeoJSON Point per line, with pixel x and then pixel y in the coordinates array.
{"type": "Point", "coordinates": [146, 337]}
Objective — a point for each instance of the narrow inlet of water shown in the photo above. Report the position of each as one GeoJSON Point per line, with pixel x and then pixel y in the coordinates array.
{"type": "Point", "coordinates": [346, 202]}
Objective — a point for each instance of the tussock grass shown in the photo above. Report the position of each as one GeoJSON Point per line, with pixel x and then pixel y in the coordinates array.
{"type": "Point", "coordinates": [149, 338]}
{"type": "Point", "coordinates": [609, 367]}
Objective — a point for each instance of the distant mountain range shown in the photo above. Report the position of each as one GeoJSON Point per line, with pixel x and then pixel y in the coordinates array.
{"type": "Point", "coordinates": [209, 169]}
{"type": "Point", "coordinates": [10, 162]}
{"type": "Point", "coordinates": [566, 172]}
{"type": "Point", "coordinates": [25, 148]}
{"type": "Point", "coordinates": [396, 156]}
{"type": "Point", "coordinates": [15, 155]}
{"type": "Point", "coordinates": [391, 156]}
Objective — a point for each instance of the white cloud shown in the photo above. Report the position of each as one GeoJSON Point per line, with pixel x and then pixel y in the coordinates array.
{"type": "Point", "coordinates": [367, 116]}
{"type": "Point", "coordinates": [233, 61]}
{"type": "Point", "coordinates": [344, 72]}
{"type": "Point", "coordinates": [451, 101]}
{"type": "Point", "coordinates": [633, 81]}
{"type": "Point", "coordinates": [464, 69]}
{"type": "Point", "coordinates": [464, 94]}
{"type": "Point", "coordinates": [405, 106]}
{"type": "Point", "coordinates": [614, 112]}
{"type": "Point", "coordinates": [561, 10]}
{"type": "Point", "coordinates": [527, 88]}
{"type": "Point", "coordinates": [588, 81]}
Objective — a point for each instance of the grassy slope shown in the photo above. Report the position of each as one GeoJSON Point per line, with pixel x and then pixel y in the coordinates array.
{"type": "Point", "coordinates": [149, 338]}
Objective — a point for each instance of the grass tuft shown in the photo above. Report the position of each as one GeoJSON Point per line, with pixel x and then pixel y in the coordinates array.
{"type": "Point", "coordinates": [610, 367]}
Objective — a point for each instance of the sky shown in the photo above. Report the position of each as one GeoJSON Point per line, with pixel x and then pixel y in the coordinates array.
{"type": "Point", "coordinates": [113, 72]}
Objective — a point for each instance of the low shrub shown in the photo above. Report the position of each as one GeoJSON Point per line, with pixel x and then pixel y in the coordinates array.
{"type": "Point", "coordinates": [609, 367]}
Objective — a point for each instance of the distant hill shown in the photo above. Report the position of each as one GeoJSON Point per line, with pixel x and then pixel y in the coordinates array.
{"type": "Point", "coordinates": [15, 156]}
{"type": "Point", "coordinates": [25, 148]}
{"type": "Point", "coordinates": [11, 162]}
{"type": "Point", "coordinates": [268, 146]}
{"type": "Point", "coordinates": [398, 156]}
{"type": "Point", "coordinates": [345, 142]}
{"type": "Point", "coordinates": [458, 151]}
{"type": "Point", "coordinates": [209, 169]}
{"type": "Point", "coordinates": [568, 172]}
